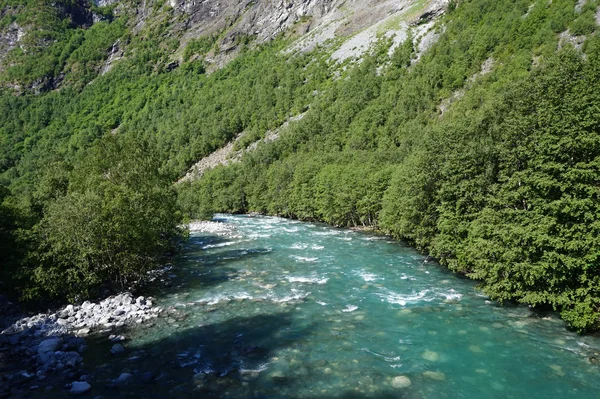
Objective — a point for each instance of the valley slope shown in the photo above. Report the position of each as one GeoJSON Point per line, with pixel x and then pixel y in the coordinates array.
{"type": "Point", "coordinates": [469, 128]}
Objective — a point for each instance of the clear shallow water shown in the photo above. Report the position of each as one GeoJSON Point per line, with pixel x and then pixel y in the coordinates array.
{"type": "Point", "coordinates": [284, 309]}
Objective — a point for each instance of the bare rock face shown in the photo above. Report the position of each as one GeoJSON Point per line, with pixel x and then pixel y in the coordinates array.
{"type": "Point", "coordinates": [312, 21]}
{"type": "Point", "coordinates": [10, 37]}
{"type": "Point", "coordinates": [264, 19]}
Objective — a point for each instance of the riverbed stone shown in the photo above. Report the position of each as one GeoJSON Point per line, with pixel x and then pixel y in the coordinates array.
{"type": "Point", "coordinates": [123, 379]}
{"type": "Point", "coordinates": [434, 375]}
{"type": "Point", "coordinates": [430, 356]}
{"type": "Point", "coordinates": [558, 370]}
{"type": "Point", "coordinates": [79, 387]}
{"type": "Point", "coordinates": [117, 349]}
{"type": "Point", "coordinates": [401, 382]}
{"type": "Point", "coordinates": [47, 347]}
{"type": "Point", "coordinates": [475, 349]}
{"type": "Point", "coordinates": [67, 312]}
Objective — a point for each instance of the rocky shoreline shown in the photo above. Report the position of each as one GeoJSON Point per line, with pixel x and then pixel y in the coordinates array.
{"type": "Point", "coordinates": [44, 352]}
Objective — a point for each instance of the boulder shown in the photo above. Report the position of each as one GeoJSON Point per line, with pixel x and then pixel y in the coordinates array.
{"type": "Point", "coordinates": [47, 347]}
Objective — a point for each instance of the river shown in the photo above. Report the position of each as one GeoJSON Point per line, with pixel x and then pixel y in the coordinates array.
{"type": "Point", "coordinates": [274, 308]}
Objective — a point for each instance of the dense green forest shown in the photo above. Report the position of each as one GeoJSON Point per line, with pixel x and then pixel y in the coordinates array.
{"type": "Point", "coordinates": [493, 170]}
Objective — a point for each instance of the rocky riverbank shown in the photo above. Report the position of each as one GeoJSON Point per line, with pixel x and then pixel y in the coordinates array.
{"type": "Point", "coordinates": [44, 351]}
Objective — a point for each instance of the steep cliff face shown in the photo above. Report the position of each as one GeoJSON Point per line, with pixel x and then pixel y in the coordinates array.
{"type": "Point", "coordinates": [55, 29]}
{"type": "Point", "coordinates": [314, 22]}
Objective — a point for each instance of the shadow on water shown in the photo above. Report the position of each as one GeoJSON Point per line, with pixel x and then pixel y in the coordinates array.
{"type": "Point", "coordinates": [201, 270]}
{"type": "Point", "coordinates": [216, 360]}
{"type": "Point", "coordinates": [231, 359]}
{"type": "Point", "coordinates": [208, 270]}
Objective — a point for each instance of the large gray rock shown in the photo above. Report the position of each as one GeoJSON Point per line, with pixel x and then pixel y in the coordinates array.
{"type": "Point", "coordinates": [47, 347]}
{"type": "Point", "coordinates": [79, 387]}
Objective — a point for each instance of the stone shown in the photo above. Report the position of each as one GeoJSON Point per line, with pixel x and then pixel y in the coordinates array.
{"type": "Point", "coordinates": [83, 331]}
{"type": "Point", "coordinates": [70, 359]}
{"type": "Point", "coordinates": [147, 376]}
{"type": "Point", "coordinates": [434, 375]}
{"type": "Point", "coordinates": [475, 349]}
{"type": "Point", "coordinates": [68, 311]}
{"type": "Point", "coordinates": [116, 338]}
{"type": "Point", "coordinates": [47, 347]}
{"type": "Point", "coordinates": [117, 349]}
{"type": "Point", "coordinates": [558, 370]}
{"type": "Point", "coordinates": [123, 379]}
{"type": "Point", "coordinates": [119, 312]}
{"type": "Point", "coordinates": [430, 356]}
{"type": "Point", "coordinates": [401, 382]}
{"type": "Point", "coordinates": [79, 388]}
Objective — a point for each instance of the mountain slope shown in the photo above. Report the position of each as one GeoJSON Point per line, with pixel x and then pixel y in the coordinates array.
{"type": "Point", "coordinates": [469, 128]}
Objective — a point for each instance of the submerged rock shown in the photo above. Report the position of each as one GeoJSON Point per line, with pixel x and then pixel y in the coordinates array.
{"type": "Point", "coordinates": [430, 356]}
{"type": "Point", "coordinates": [401, 382]}
{"type": "Point", "coordinates": [435, 375]}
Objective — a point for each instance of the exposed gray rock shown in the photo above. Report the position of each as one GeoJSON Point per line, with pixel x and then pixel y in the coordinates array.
{"type": "Point", "coordinates": [119, 310]}
{"type": "Point", "coordinates": [47, 347]}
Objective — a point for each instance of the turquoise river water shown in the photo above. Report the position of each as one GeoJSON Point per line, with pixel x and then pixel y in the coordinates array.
{"type": "Point", "coordinates": [285, 309]}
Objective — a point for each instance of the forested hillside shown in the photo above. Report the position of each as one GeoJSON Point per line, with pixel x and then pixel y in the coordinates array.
{"type": "Point", "coordinates": [482, 148]}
